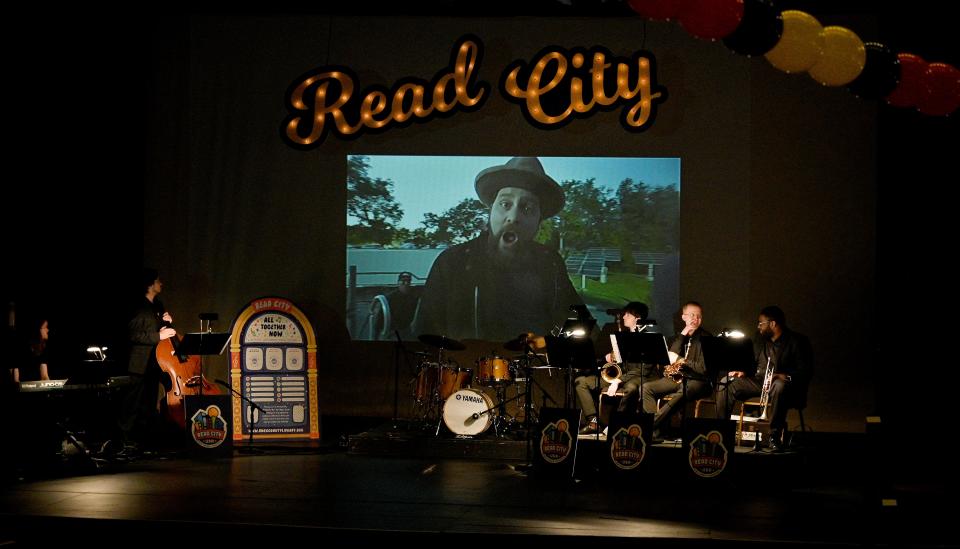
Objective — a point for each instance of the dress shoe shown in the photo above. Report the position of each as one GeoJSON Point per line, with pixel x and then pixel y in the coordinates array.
{"type": "Point", "coordinates": [776, 442]}
{"type": "Point", "coordinates": [129, 452]}
{"type": "Point", "coordinates": [590, 428]}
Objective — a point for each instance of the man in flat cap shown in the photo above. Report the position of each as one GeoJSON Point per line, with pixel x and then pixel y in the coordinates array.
{"type": "Point", "coordinates": [502, 283]}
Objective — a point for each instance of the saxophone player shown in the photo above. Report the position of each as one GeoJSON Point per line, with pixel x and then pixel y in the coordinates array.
{"type": "Point", "coordinates": [785, 358]}
{"type": "Point", "coordinates": [632, 318]}
{"type": "Point", "coordinates": [694, 382]}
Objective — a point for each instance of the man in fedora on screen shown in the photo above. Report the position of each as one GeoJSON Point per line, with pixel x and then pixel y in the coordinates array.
{"type": "Point", "coordinates": [502, 283]}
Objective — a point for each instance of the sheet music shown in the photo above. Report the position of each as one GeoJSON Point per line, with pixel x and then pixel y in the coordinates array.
{"type": "Point", "coordinates": [616, 349]}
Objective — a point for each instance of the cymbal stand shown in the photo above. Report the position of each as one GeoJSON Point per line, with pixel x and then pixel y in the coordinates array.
{"type": "Point", "coordinates": [436, 392]}
{"type": "Point", "coordinates": [503, 419]}
{"type": "Point", "coordinates": [528, 419]}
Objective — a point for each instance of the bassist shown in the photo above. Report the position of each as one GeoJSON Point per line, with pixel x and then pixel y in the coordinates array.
{"type": "Point", "coordinates": [149, 326]}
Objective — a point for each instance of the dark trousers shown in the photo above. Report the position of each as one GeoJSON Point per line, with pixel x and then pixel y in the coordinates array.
{"type": "Point", "coordinates": [743, 388]}
{"type": "Point", "coordinates": [653, 390]}
{"type": "Point", "coordinates": [585, 387]}
{"type": "Point", "coordinates": [139, 414]}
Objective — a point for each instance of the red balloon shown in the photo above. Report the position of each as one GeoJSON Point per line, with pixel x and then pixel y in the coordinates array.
{"type": "Point", "coordinates": [907, 92]}
{"type": "Point", "coordinates": [711, 19]}
{"type": "Point", "coordinates": [939, 90]}
{"type": "Point", "coordinates": [657, 9]}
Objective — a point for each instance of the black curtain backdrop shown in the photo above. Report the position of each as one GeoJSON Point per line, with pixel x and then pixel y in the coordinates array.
{"type": "Point", "coordinates": [156, 143]}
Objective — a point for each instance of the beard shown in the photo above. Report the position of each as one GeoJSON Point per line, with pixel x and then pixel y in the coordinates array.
{"type": "Point", "coordinates": [506, 244]}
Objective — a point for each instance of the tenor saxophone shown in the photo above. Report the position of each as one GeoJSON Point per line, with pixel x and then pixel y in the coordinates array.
{"type": "Point", "coordinates": [673, 370]}
{"type": "Point", "coordinates": [611, 371]}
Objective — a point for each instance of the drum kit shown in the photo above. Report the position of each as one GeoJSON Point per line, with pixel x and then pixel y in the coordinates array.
{"type": "Point", "coordinates": [444, 392]}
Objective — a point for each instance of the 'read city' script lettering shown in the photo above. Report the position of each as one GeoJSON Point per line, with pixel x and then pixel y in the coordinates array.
{"type": "Point", "coordinates": [560, 85]}
{"type": "Point", "coordinates": [556, 87]}
{"type": "Point", "coordinates": [324, 99]}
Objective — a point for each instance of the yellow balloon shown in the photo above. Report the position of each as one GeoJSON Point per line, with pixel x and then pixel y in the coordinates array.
{"type": "Point", "coordinates": [843, 57]}
{"type": "Point", "coordinates": [800, 44]}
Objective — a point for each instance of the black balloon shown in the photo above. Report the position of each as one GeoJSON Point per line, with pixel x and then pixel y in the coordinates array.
{"type": "Point", "coordinates": [759, 31]}
{"type": "Point", "coordinates": [881, 73]}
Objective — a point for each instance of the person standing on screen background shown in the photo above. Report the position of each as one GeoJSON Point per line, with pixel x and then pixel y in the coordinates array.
{"type": "Point", "coordinates": [403, 303]}
{"type": "Point", "coordinates": [502, 283]}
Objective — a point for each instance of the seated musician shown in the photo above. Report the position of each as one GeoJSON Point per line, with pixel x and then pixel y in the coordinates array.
{"type": "Point", "coordinates": [29, 359]}
{"type": "Point", "coordinates": [631, 319]}
{"type": "Point", "coordinates": [690, 380]}
{"type": "Point", "coordinates": [784, 362]}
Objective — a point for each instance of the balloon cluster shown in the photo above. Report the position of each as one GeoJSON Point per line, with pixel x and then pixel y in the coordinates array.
{"type": "Point", "coordinates": [794, 41]}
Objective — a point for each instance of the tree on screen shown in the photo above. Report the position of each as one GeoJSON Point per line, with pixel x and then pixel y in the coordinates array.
{"type": "Point", "coordinates": [649, 217]}
{"type": "Point", "coordinates": [371, 202]}
{"type": "Point", "coordinates": [586, 220]}
{"type": "Point", "coordinates": [455, 225]}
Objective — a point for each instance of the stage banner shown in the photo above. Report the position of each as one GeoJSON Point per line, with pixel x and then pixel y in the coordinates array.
{"type": "Point", "coordinates": [555, 442]}
{"type": "Point", "coordinates": [273, 372]}
{"type": "Point", "coordinates": [629, 437]}
{"type": "Point", "coordinates": [708, 445]}
{"type": "Point", "coordinates": [208, 424]}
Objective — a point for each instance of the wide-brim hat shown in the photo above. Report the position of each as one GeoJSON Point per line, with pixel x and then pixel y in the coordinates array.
{"type": "Point", "coordinates": [523, 172]}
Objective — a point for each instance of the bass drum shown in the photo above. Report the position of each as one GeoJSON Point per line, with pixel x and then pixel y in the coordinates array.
{"type": "Point", "coordinates": [458, 412]}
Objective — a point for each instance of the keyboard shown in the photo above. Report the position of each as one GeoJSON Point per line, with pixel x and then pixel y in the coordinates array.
{"type": "Point", "coordinates": [65, 385]}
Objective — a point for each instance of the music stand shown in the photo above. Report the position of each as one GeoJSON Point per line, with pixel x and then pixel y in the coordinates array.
{"type": "Point", "coordinates": [642, 347]}
{"type": "Point", "coordinates": [570, 353]}
{"type": "Point", "coordinates": [203, 344]}
{"type": "Point", "coordinates": [727, 354]}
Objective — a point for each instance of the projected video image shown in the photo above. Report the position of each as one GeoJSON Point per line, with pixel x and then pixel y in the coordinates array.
{"type": "Point", "coordinates": [491, 247]}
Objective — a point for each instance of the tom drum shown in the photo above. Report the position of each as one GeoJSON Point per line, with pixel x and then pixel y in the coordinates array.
{"type": "Point", "coordinates": [450, 378]}
{"type": "Point", "coordinates": [493, 370]}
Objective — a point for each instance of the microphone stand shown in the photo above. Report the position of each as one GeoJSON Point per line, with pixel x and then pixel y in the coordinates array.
{"type": "Point", "coordinates": [396, 378]}
{"type": "Point", "coordinates": [250, 449]}
{"type": "Point", "coordinates": [528, 394]}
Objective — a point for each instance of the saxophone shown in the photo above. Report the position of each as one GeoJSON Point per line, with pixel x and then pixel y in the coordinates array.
{"type": "Point", "coordinates": [611, 371]}
{"type": "Point", "coordinates": [673, 370]}
{"type": "Point", "coordinates": [765, 391]}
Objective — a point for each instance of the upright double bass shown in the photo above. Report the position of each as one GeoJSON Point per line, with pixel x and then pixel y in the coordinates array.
{"type": "Point", "coordinates": [186, 377]}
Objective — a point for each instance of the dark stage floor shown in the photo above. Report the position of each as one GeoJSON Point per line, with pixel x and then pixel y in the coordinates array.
{"type": "Point", "coordinates": [821, 494]}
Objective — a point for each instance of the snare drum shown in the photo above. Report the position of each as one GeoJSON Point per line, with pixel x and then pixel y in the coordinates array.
{"type": "Point", "coordinates": [458, 411]}
{"type": "Point", "coordinates": [493, 370]}
{"type": "Point", "coordinates": [452, 378]}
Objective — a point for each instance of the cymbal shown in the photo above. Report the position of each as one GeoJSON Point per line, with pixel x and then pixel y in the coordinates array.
{"type": "Point", "coordinates": [442, 342]}
{"type": "Point", "coordinates": [523, 340]}
{"type": "Point", "coordinates": [516, 345]}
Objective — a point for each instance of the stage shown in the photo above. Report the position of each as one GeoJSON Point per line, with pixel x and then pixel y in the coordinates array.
{"type": "Point", "coordinates": [350, 489]}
